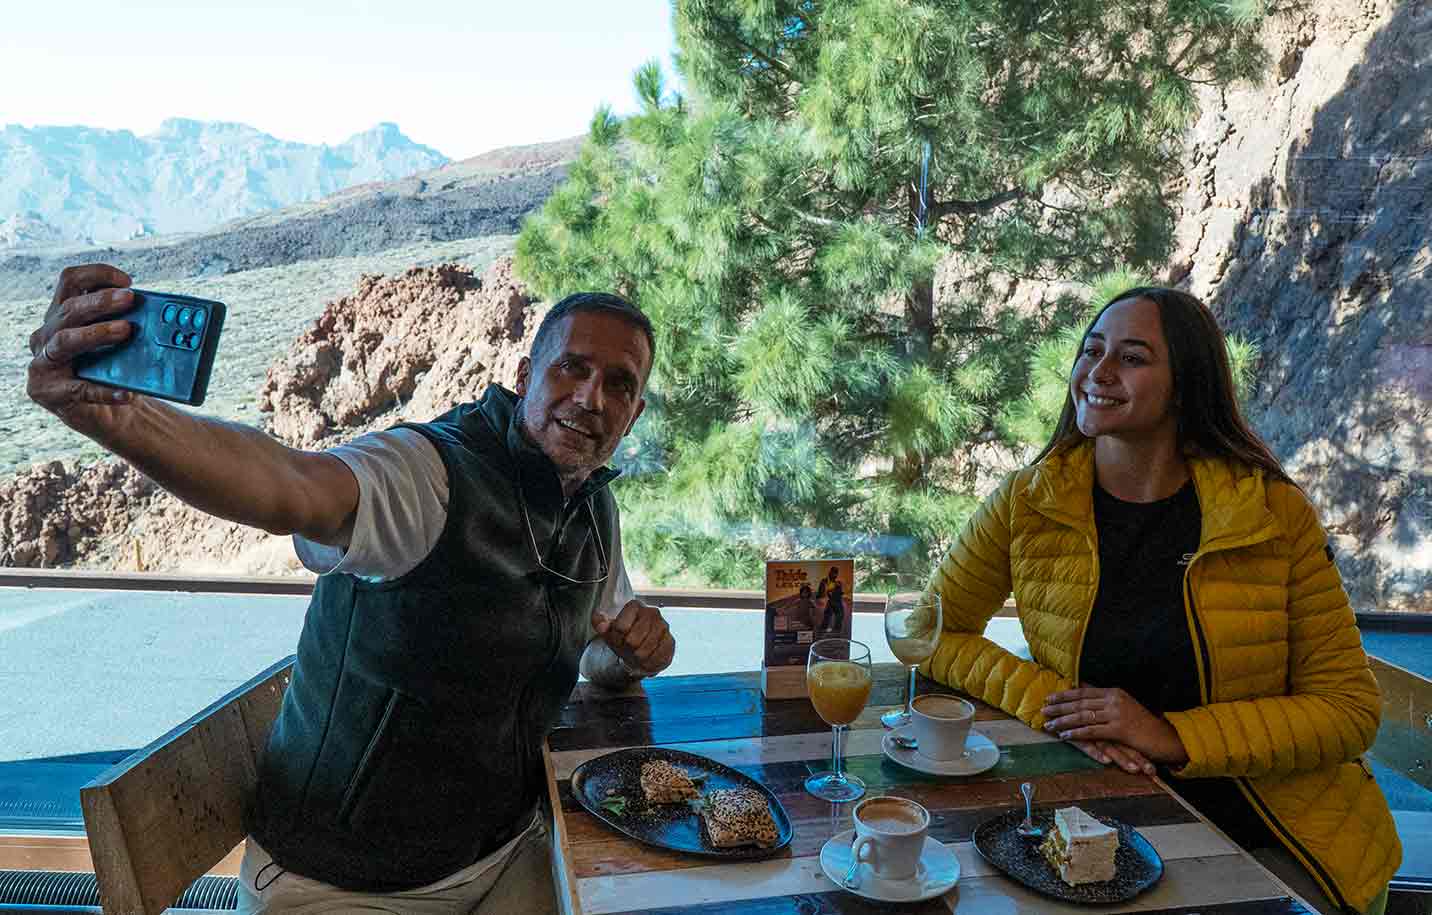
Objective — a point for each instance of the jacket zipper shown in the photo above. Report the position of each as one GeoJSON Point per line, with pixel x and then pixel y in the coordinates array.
{"type": "Point", "coordinates": [1324, 879]}
{"type": "Point", "coordinates": [554, 627]}
{"type": "Point", "coordinates": [1092, 538]}
{"type": "Point", "coordinates": [1204, 658]}
{"type": "Point", "coordinates": [1205, 684]}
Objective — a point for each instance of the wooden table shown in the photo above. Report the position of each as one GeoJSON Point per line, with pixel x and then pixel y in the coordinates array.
{"type": "Point", "coordinates": [724, 716]}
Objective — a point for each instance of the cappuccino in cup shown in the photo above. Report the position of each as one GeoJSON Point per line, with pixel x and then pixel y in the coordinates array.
{"type": "Point", "coordinates": [893, 815]}
{"type": "Point", "coordinates": [941, 725]}
{"type": "Point", "coordinates": [890, 835]}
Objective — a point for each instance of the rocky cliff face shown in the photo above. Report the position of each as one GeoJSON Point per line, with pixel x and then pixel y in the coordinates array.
{"type": "Point", "coordinates": [55, 514]}
{"type": "Point", "coordinates": [1304, 225]}
{"type": "Point", "coordinates": [400, 348]}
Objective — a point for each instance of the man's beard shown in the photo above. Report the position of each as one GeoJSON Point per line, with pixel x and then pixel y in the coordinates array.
{"type": "Point", "coordinates": [564, 471]}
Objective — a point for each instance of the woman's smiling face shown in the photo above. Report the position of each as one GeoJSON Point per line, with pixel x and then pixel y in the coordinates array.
{"type": "Point", "coordinates": [1122, 383]}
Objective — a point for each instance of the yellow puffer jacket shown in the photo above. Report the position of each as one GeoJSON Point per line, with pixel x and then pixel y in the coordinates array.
{"type": "Point", "coordinates": [1289, 701]}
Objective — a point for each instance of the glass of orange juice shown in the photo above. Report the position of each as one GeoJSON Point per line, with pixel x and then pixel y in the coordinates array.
{"type": "Point", "coordinates": [838, 679]}
{"type": "Point", "coordinates": [912, 627]}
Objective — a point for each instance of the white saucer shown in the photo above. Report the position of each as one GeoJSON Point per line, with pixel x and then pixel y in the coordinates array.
{"type": "Point", "coordinates": [980, 755]}
{"type": "Point", "coordinates": [939, 870]}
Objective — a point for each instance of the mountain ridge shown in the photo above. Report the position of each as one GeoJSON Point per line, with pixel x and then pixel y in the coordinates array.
{"type": "Point", "coordinates": [76, 184]}
{"type": "Point", "coordinates": [487, 194]}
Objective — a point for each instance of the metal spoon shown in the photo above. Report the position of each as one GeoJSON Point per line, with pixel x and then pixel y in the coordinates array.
{"type": "Point", "coordinates": [849, 881]}
{"type": "Point", "coordinates": [904, 741]}
{"type": "Point", "coordinates": [1027, 829]}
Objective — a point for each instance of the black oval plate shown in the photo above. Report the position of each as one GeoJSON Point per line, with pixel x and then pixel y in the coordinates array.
{"type": "Point", "coordinates": [1136, 865]}
{"type": "Point", "coordinates": [674, 826]}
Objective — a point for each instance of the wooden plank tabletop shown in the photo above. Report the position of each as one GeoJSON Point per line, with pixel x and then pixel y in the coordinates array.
{"type": "Point", "coordinates": [779, 743]}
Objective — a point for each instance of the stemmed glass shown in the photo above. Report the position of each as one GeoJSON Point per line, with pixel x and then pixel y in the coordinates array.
{"type": "Point", "coordinates": [912, 627]}
{"type": "Point", "coordinates": [838, 678]}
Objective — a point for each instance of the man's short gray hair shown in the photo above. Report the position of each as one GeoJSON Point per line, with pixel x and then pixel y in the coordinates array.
{"type": "Point", "coordinates": [582, 302]}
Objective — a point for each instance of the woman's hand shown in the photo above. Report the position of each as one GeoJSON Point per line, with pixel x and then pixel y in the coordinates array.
{"type": "Point", "coordinates": [1092, 713]}
{"type": "Point", "coordinates": [1115, 754]}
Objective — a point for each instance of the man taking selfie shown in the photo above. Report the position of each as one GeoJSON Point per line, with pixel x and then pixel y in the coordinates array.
{"type": "Point", "coordinates": [469, 566]}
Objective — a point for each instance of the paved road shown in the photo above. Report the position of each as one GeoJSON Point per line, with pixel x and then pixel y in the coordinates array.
{"type": "Point", "coordinates": [85, 671]}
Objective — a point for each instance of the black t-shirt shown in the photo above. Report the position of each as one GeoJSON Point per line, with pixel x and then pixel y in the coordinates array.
{"type": "Point", "coordinates": [1138, 636]}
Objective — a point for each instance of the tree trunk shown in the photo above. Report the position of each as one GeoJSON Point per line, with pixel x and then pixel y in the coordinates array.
{"type": "Point", "coordinates": [920, 300]}
{"type": "Point", "coordinates": [920, 318]}
{"type": "Point", "coordinates": [909, 471]}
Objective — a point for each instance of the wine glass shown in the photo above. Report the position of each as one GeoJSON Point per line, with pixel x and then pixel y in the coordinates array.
{"type": "Point", "coordinates": [912, 627]}
{"type": "Point", "coordinates": [838, 678]}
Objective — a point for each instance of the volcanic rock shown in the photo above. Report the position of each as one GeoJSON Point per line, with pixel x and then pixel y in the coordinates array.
{"type": "Point", "coordinates": [402, 348]}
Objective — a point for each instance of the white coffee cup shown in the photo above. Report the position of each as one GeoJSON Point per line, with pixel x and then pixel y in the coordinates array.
{"type": "Point", "coordinates": [942, 725]}
{"type": "Point", "coordinates": [890, 835]}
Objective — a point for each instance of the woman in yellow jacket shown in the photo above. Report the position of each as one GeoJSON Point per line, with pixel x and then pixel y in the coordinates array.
{"type": "Point", "coordinates": [1181, 606]}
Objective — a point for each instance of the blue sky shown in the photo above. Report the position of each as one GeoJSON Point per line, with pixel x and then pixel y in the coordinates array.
{"type": "Point", "coordinates": [463, 77]}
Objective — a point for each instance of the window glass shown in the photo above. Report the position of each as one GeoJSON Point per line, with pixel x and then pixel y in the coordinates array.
{"type": "Point", "coordinates": [870, 237]}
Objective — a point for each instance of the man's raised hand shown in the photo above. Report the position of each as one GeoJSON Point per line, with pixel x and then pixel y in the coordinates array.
{"type": "Point", "coordinates": [81, 318]}
{"type": "Point", "coordinates": [639, 636]}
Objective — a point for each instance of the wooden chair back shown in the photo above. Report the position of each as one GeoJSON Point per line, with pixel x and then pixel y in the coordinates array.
{"type": "Point", "coordinates": [165, 815]}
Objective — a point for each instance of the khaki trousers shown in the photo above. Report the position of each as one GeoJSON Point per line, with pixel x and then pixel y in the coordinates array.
{"type": "Point", "coordinates": [515, 878]}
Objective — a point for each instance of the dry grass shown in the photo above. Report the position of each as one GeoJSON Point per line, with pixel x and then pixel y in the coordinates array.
{"type": "Point", "coordinates": [268, 309]}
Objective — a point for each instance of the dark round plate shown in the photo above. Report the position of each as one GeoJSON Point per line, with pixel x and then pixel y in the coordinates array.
{"type": "Point", "coordinates": [675, 826]}
{"type": "Point", "coordinates": [1136, 865]}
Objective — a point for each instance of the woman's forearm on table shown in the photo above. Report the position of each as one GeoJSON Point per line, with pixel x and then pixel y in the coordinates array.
{"type": "Point", "coordinates": [970, 662]}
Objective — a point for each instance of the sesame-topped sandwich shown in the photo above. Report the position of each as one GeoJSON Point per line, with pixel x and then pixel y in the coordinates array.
{"type": "Point", "coordinates": [663, 783]}
{"type": "Point", "coordinates": [739, 816]}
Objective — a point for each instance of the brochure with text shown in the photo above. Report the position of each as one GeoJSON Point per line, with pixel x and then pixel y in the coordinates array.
{"type": "Point", "coordinates": [806, 601]}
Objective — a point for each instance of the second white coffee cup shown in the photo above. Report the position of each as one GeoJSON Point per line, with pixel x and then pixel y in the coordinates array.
{"type": "Point", "coordinates": [890, 835]}
{"type": "Point", "coordinates": [942, 725]}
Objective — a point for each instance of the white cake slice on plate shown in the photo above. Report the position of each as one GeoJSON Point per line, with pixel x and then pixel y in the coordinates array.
{"type": "Point", "coordinates": [1080, 848]}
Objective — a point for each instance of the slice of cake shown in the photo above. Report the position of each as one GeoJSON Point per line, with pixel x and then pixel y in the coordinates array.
{"type": "Point", "coordinates": [663, 783]}
{"type": "Point", "coordinates": [739, 816]}
{"type": "Point", "coordinates": [1080, 848]}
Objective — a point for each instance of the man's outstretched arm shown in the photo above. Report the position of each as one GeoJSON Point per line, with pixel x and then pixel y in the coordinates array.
{"type": "Point", "coordinates": [225, 469]}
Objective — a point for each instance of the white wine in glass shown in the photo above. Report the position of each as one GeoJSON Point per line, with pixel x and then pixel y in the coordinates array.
{"type": "Point", "coordinates": [912, 627]}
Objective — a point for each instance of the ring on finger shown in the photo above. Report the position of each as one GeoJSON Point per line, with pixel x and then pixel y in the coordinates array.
{"type": "Point", "coordinates": [48, 357]}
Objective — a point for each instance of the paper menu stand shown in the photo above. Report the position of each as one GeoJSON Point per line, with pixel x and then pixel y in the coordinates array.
{"type": "Point", "coordinates": [806, 601]}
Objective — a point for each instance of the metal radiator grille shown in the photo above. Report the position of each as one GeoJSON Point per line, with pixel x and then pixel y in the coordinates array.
{"type": "Point", "coordinates": [64, 888]}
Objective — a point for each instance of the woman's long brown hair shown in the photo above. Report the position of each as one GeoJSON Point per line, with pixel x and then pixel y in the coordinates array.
{"type": "Point", "coordinates": [1209, 420]}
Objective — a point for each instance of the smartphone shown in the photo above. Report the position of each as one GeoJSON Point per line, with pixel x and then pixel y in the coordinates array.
{"type": "Point", "coordinates": [170, 352]}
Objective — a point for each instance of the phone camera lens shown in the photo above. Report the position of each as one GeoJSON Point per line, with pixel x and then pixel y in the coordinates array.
{"type": "Point", "coordinates": [169, 312]}
{"type": "Point", "coordinates": [198, 319]}
{"type": "Point", "coordinates": [184, 315]}
{"type": "Point", "coordinates": [180, 338]}
{"type": "Point", "coordinates": [193, 341]}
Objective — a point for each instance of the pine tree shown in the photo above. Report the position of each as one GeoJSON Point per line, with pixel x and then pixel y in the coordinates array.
{"type": "Point", "coordinates": [816, 392]}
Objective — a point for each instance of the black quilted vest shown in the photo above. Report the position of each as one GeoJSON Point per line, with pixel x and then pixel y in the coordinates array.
{"type": "Point", "coordinates": [409, 741]}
